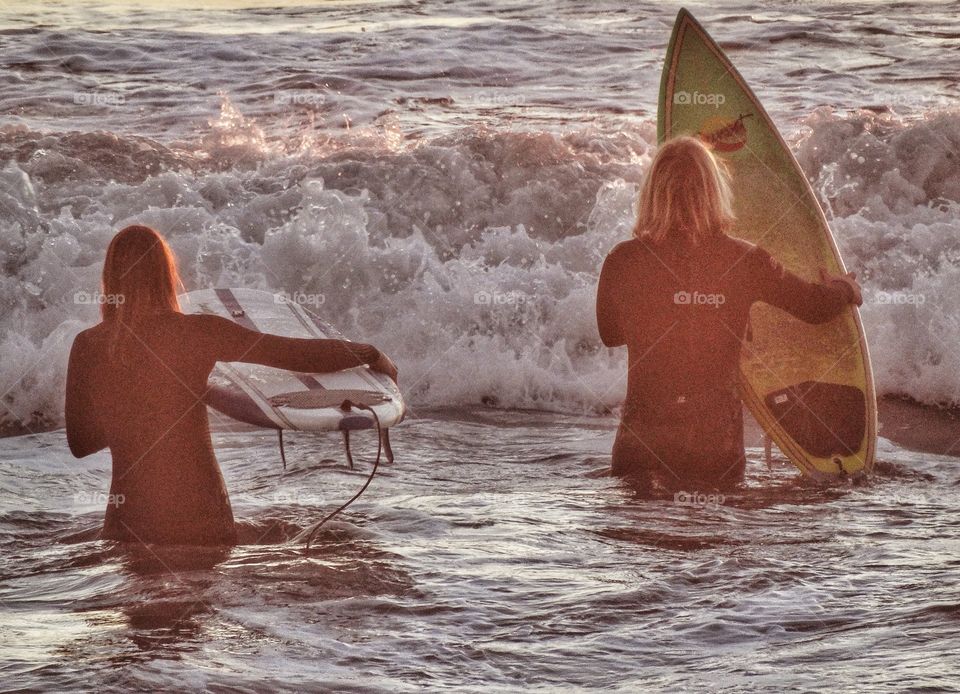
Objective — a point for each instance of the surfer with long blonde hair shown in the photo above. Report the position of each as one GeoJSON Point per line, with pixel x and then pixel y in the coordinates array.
{"type": "Point", "coordinates": [678, 296]}
{"type": "Point", "coordinates": [137, 384]}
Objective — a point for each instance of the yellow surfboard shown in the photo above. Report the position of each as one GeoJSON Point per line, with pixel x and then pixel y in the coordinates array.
{"type": "Point", "coordinates": [809, 386]}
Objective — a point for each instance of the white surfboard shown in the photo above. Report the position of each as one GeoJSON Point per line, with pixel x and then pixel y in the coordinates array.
{"type": "Point", "coordinates": [277, 399]}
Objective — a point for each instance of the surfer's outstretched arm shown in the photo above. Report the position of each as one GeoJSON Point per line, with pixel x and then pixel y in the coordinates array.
{"type": "Point", "coordinates": [225, 340]}
{"type": "Point", "coordinates": [813, 302]}
{"type": "Point", "coordinates": [84, 433]}
{"type": "Point", "coordinates": [610, 300]}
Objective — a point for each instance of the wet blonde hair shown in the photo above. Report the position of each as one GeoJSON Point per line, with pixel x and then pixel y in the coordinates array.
{"type": "Point", "coordinates": [139, 278]}
{"type": "Point", "coordinates": [141, 270]}
{"type": "Point", "coordinates": [686, 194]}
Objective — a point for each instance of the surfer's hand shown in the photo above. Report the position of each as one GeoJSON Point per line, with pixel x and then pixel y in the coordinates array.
{"type": "Point", "coordinates": [849, 279]}
{"type": "Point", "coordinates": [385, 366]}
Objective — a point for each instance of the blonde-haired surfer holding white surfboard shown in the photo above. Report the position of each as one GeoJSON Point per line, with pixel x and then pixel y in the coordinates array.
{"type": "Point", "coordinates": [136, 384]}
{"type": "Point", "coordinates": [678, 296]}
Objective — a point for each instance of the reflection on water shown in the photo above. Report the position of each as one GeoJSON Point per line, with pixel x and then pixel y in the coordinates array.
{"type": "Point", "coordinates": [497, 564]}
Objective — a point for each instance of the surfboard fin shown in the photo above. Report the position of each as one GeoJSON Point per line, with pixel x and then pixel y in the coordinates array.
{"type": "Point", "coordinates": [385, 442]}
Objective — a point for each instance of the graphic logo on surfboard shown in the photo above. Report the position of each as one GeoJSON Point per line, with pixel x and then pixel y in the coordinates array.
{"type": "Point", "coordinates": [725, 134]}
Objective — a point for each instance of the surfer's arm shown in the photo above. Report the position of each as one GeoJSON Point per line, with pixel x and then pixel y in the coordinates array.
{"type": "Point", "coordinates": [610, 301]}
{"type": "Point", "coordinates": [232, 342]}
{"type": "Point", "coordinates": [84, 435]}
{"type": "Point", "coordinates": [812, 302]}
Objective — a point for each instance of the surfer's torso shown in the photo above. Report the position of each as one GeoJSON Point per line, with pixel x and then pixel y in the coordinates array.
{"type": "Point", "coordinates": [143, 399]}
{"type": "Point", "coordinates": [147, 398]}
{"type": "Point", "coordinates": [682, 315]}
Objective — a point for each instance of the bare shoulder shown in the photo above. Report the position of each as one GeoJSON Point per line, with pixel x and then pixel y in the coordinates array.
{"type": "Point", "coordinates": [202, 321]}
{"type": "Point", "coordinates": [90, 335]}
{"type": "Point", "coordinates": [86, 345]}
{"type": "Point", "coordinates": [205, 326]}
{"type": "Point", "coordinates": [627, 250]}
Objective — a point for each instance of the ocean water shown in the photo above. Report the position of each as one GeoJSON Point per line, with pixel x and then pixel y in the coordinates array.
{"type": "Point", "coordinates": [444, 179]}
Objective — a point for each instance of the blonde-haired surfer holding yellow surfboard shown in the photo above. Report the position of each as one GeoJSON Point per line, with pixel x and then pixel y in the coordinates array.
{"type": "Point", "coordinates": [678, 296]}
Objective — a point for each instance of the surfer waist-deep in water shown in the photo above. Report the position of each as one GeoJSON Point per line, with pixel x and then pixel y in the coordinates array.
{"type": "Point", "coordinates": [678, 296]}
{"type": "Point", "coordinates": [136, 384]}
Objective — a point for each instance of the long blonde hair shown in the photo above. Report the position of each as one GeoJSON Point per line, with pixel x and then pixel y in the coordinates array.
{"type": "Point", "coordinates": [686, 194]}
{"type": "Point", "coordinates": [139, 278]}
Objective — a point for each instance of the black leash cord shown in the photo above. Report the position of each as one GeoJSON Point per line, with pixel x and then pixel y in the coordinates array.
{"type": "Point", "coordinates": [346, 406]}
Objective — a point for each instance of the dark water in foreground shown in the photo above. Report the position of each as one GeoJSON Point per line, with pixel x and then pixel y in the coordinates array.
{"type": "Point", "coordinates": [494, 555]}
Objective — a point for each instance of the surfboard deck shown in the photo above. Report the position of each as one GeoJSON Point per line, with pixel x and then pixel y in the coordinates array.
{"type": "Point", "coordinates": [279, 399]}
{"type": "Point", "coordinates": [809, 386]}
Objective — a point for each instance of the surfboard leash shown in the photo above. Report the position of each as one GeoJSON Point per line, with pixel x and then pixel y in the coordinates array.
{"type": "Point", "coordinates": [383, 443]}
{"type": "Point", "coordinates": [283, 455]}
